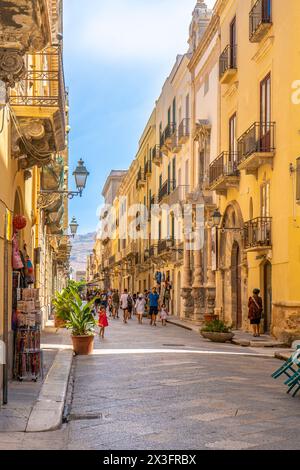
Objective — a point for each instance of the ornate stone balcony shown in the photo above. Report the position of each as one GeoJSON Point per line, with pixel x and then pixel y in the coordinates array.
{"type": "Point", "coordinates": [141, 180]}
{"type": "Point", "coordinates": [39, 111]}
{"type": "Point", "coordinates": [25, 27]}
{"type": "Point", "coordinates": [184, 131]}
{"type": "Point", "coordinates": [157, 156]}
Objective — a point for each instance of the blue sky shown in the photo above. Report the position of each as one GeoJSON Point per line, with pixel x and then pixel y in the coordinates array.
{"type": "Point", "coordinates": [117, 54]}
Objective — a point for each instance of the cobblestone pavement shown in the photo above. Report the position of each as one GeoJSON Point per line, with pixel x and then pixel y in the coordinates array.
{"type": "Point", "coordinates": [166, 388]}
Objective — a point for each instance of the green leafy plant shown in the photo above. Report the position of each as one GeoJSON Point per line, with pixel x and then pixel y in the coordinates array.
{"type": "Point", "coordinates": [61, 301]}
{"type": "Point", "coordinates": [216, 326]}
{"type": "Point", "coordinates": [81, 321]}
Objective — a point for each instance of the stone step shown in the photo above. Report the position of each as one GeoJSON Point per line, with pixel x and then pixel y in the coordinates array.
{"type": "Point", "coordinates": [258, 343]}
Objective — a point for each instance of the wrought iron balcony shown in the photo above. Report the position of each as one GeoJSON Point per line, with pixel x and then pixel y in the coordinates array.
{"type": "Point", "coordinates": [165, 245]}
{"type": "Point", "coordinates": [157, 155]}
{"type": "Point", "coordinates": [223, 173]}
{"type": "Point", "coordinates": [258, 234]}
{"type": "Point", "coordinates": [228, 64]}
{"type": "Point", "coordinates": [167, 188]}
{"type": "Point", "coordinates": [148, 168]}
{"type": "Point", "coordinates": [166, 137]}
{"type": "Point", "coordinates": [256, 147]}
{"type": "Point", "coordinates": [175, 144]}
{"type": "Point", "coordinates": [141, 180]}
{"type": "Point", "coordinates": [153, 251]}
{"type": "Point", "coordinates": [260, 20]}
{"type": "Point", "coordinates": [184, 131]}
{"type": "Point", "coordinates": [39, 106]}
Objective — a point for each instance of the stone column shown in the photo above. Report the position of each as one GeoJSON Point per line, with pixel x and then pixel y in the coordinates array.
{"type": "Point", "coordinates": [210, 285]}
{"type": "Point", "coordinates": [197, 293]}
{"type": "Point", "coordinates": [186, 291]}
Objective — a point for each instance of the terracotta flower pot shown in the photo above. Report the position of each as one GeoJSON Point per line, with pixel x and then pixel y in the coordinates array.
{"type": "Point", "coordinates": [217, 337]}
{"type": "Point", "coordinates": [210, 317]}
{"type": "Point", "coordinates": [83, 345]}
{"type": "Point", "coordinates": [59, 323]}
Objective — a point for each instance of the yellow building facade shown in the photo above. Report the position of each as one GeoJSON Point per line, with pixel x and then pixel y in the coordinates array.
{"type": "Point", "coordinates": [254, 177]}
{"type": "Point", "coordinates": [33, 151]}
{"type": "Point", "coordinates": [224, 135]}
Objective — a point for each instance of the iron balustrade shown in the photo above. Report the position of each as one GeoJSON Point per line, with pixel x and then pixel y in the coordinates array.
{"type": "Point", "coordinates": [259, 138]}
{"type": "Point", "coordinates": [152, 251]}
{"type": "Point", "coordinates": [258, 233]}
{"type": "Point", "coordinates": [140, 178]}
{"type": "Point", "coordinates": [228, 59]}
{"type": "Point", "coordinates": [165, 245]}
{"type": "Point", "coordinates": [184, 129]}
{"type": "Point", "coordinates": [167, 134]}
{"type": "Point", "coordinates": [224, 165]}
{"type": "Point", "coordinates": [148, 167]}
{"type": "Point", "coordinates": [260, 15]}
{"type": "Point", "coordinates": [167, 188]}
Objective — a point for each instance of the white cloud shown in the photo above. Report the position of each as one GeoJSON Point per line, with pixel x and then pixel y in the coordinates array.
{"type": "Point", "coordinates": [130, 30]}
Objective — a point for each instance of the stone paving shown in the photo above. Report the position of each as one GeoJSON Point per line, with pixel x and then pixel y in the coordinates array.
{"type": "Point", "coordinates": [167, 388]}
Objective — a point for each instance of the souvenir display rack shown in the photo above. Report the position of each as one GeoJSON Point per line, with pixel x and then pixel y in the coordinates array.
{"type": "Point", "coordinates": [28, 357]}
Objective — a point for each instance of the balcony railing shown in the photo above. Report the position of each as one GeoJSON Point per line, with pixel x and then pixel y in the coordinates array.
{"type": "Point", "coordinates": [167, 188]}
{"type": "Point", "coordinates": [228, 63]}
{"type": "Point", "coordinates": [148, 168]}
{"type": "Point", "coordinates": [225, 165]}
{"type": "Point", "coordinates": [184, 131]}
{"type": "Point", "coordinates": [260, 19]}
{"type": "Point", "coordinates": [153, 251]}
{"type": "Point", "coordinates": [165, 245]}
{"type": "Point", "coordinates": [166, 136]}
{"type": "Point", "coordinates": [141, 179]}
{"type": "Point", "coordinates": [258, 233]}
{"type": "Point", "coordinates": [157, 155]}
{"type": "Point", "coordinates": [257, 145]}
{"type": "Point", "coordinates": [47, 98]}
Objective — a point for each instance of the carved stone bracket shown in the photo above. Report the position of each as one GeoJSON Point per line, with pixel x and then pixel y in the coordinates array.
{"type": "Point", "coordinates": [12, 66]}
{"type": "Point", "coordinates": [47, 200]}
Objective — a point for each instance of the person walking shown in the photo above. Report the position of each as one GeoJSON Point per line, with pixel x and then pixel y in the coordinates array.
{"type": "Point", "coordinates": [255, 306]}
{"type": "Point", "coordinates": [140, 308]}
{"type": "Point", "coordinates": [130, 306]}
{"type": "Point", "coordinates": [116, 303]}
{"type": "Point", "coordinates": [164, 315]}
{"type": "Point", "coordinates": [154, 305]}
{"type": "Point", "coordinates": [102, 322]}
{"type": "Point", "coordinates": [124, 305]}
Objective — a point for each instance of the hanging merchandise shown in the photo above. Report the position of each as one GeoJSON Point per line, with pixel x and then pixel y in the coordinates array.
{"type": "Point", "coordinates": [16, 258]}
{"type": "Point", "coordinates": [19, 222]}
{"type": "Point", "coordinates": [28, 355]}
{"type": "Point", "coordinates": [30, 271]}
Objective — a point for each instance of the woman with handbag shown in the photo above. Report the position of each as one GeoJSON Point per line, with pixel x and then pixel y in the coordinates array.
{"type": "Point", "coordinates": [255, 306]}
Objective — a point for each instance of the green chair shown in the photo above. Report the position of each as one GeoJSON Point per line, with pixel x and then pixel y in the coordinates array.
{"type": "Point", "coordinates": [289, 368]}
{"type": "Point", "coordinates": [293, 382]}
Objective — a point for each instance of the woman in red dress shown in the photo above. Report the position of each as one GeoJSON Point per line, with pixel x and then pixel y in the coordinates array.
{"type": "Point", "coordinates": [103, 322]}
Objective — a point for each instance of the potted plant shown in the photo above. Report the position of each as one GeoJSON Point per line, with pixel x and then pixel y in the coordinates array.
{"type": "Point", "coordinates": [217, 331]}
{"type": "Point", "coordinates": [61, 304]}
{"type": "Point", "coordinates": [82, 324]}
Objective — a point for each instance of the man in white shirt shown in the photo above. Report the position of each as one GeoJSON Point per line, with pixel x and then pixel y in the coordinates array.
{"type": "Point", "coordinates": [124, 305]}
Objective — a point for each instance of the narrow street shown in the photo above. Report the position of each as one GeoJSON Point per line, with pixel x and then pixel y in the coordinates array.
{"type": "Point", "coordinates": [167, 388]}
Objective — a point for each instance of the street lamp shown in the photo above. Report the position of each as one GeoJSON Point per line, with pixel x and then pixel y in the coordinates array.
{"type": "Point", "coordinates": [81, 175]}
{"type": "Point", "coordinates": [73, 227]}
{"type": "Point", "coordinates": [216, 221]}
